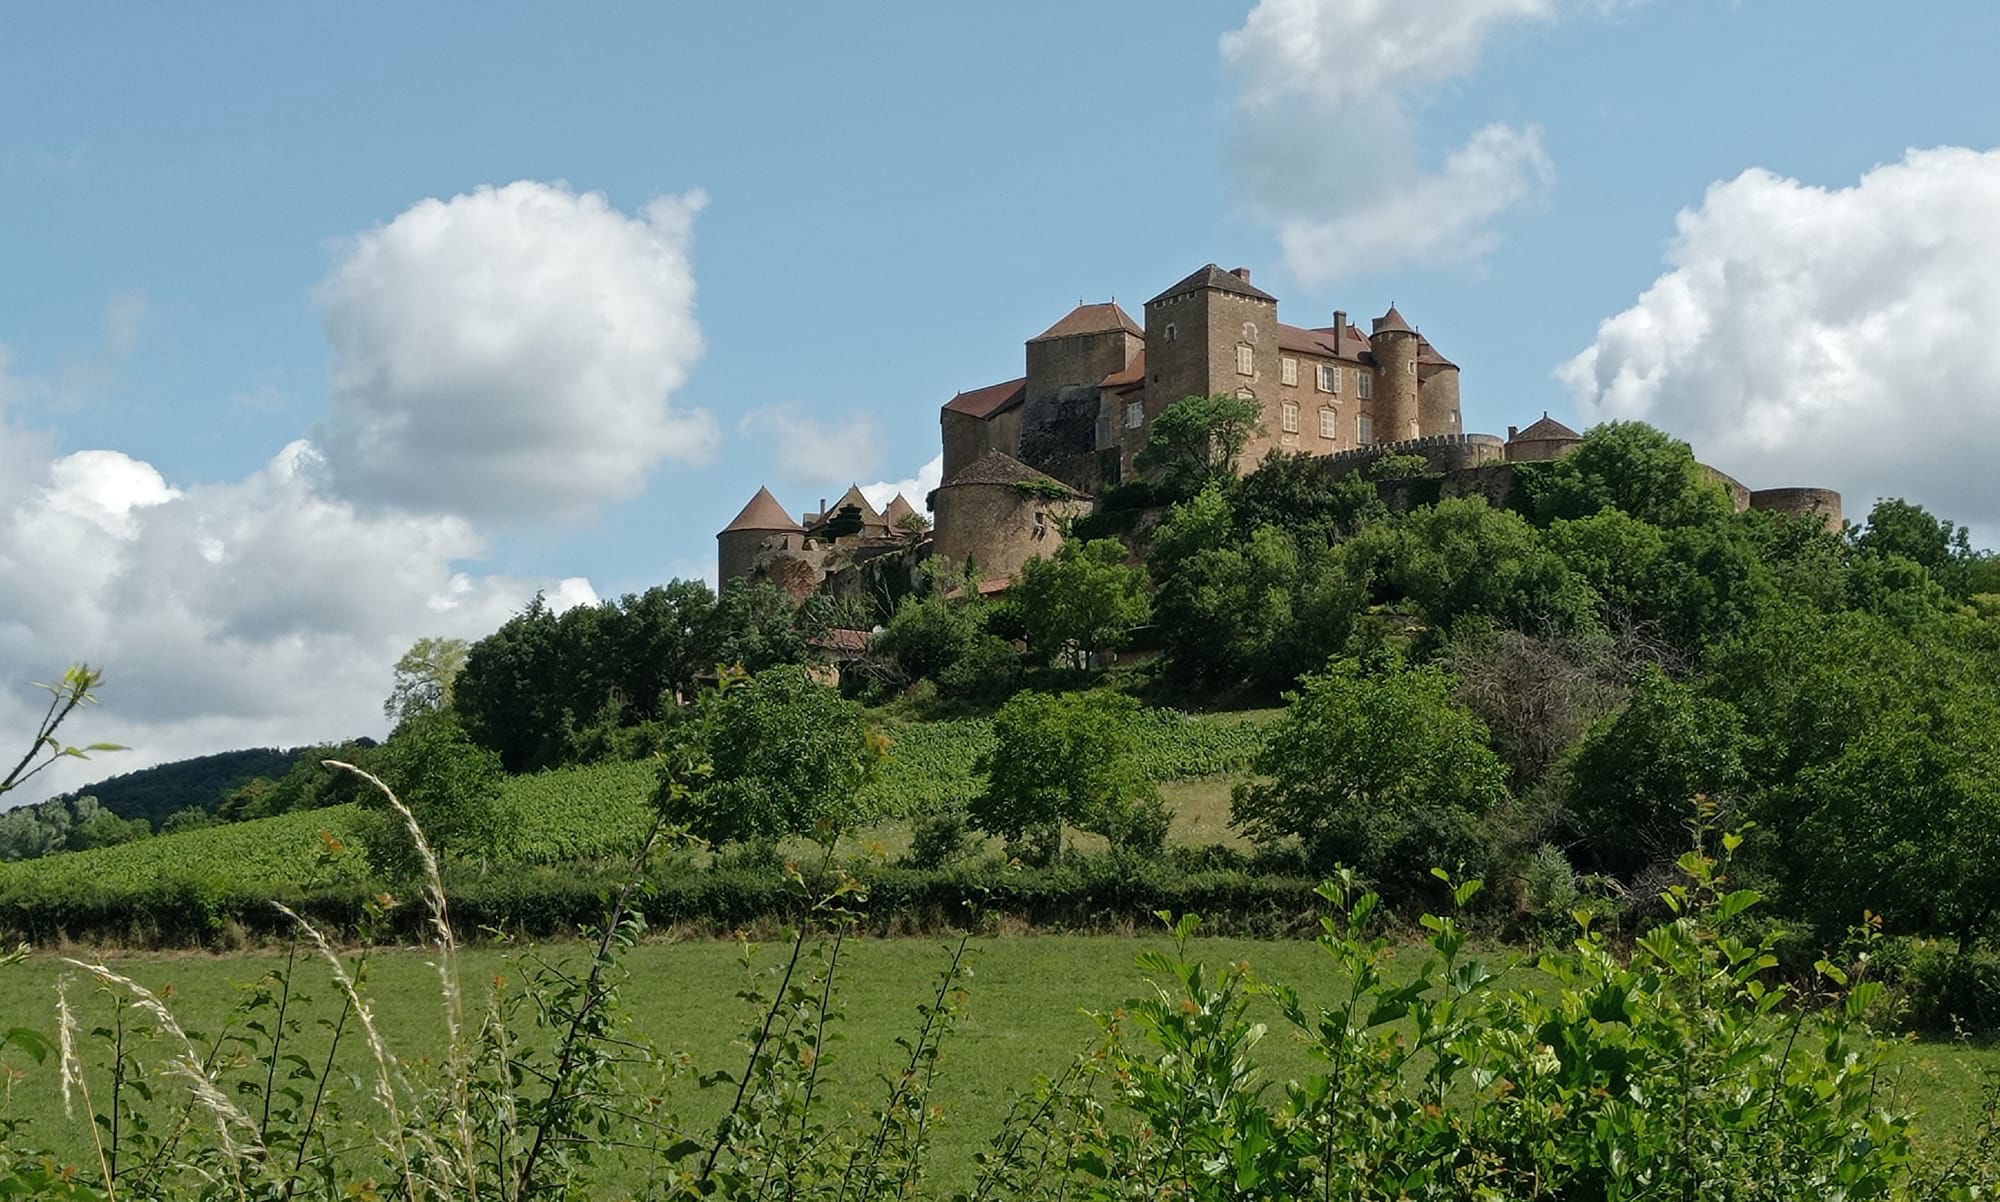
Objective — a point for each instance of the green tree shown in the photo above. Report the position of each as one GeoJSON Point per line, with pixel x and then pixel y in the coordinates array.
{"type": "Point", "coordinates": [1897, 527]}
{"type": "Point", "coordinates": [450, 784]}
{"type": "Point", "coordinates": [424, 678]}
{"type": "Point", "coordinates": [1630, 786]}
{"type": "Point", "coordinates": [1907, 824]}
{"type": "Point", "coordinates": [1199, 438]}
{"type": "Point", "coordinates": [1084, 601]}
{"type": "Point", "coordinates": [926, 636]}
{"type": "Point", "coordinates": [1296, 492]}
{"type": "Point", "coordinates": [1070, 758]}
{"type": "Point", "coordinates": [784, 755]}
{"type": "Point", "coordinates": [1384, 771]}
{"type": "Point", "coordinates": [1632, 467]}
{"type": "Point", "coordinates": [1463, 558]}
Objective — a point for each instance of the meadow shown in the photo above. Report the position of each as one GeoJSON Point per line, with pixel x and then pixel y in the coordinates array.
{"type": "Point", "coordinates": [1027, 1011]}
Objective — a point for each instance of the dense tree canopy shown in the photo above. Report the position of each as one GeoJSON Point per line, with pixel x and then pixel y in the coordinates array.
{"type": "Point", "coordinates": [1081, 602]}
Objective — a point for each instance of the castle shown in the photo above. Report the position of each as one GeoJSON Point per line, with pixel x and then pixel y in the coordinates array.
{"type": "Point", "coordinates": [1022, 455]}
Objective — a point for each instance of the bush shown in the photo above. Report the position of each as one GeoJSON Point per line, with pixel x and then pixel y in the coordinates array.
{"type": "Point", "coordinates": [1947, 992]}
{"type": "Point", "coordinates": [451, 784]}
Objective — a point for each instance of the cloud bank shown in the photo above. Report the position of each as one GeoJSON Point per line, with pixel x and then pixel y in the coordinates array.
{"type": "Point", "coordinates": [1326, 135]}
{"type": "Point", "coordinates": [1834, 336]}
{"type": "Point", "coordinates": [500, 357]}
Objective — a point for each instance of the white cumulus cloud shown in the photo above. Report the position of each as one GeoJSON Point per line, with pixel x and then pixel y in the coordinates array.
{"type": "Point", "coordinates": [1326, 135]}
{"type": "Point", "coordinates": [808, 451]}
{"type": "Point", "coordinates": [262, 611]}
{"type": "Point", "coordinates": [513, 353]}
{"type": "Point", "coordinates": [915, 489]}
{"type": "Point", "coordinates": [1829, 336]}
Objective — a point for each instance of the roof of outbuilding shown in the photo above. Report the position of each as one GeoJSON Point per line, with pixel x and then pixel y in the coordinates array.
{"type": "Point", "coordinates": [762, 513]}
{"type": "Point", "coordinates": [870, 516]}
{"type": "Point", "coordinates": [1546, 429]}
{"type": "Point", "coordinates": [898, 509]}
{"type": "Point", "coordinates": [1211, 276]}
{"type": "Point", "coordinates": [990, 401]}
{"type": "Point", "coordinates": [998, 467]}
{"type": "Point", "coordinates": [1091, 319]}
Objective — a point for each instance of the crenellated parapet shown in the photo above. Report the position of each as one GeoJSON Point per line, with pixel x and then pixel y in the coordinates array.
{"type": "Point", "coordinates": [1442, 452]}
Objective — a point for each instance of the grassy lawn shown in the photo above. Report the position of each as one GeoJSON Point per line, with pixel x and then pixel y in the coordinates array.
{"type": "Point", "coordinates": [1025, 1016]}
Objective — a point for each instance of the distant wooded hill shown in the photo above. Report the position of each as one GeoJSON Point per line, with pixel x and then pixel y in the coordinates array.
{"type": "Point", "coordinates": [153, 793]}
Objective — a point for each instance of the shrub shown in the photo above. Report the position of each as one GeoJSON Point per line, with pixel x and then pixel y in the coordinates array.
{"type": "Point", "coordinates": [452, 786]}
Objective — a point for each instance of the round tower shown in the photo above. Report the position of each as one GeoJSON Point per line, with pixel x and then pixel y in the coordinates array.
{"type": "Point", "coordinates": [737, 544]}
{"type": "Point", "coordinates": [1395, 345]}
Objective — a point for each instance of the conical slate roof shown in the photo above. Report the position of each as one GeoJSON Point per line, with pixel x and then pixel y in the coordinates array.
{"type": "Point", "coordinates": [1211, 276]}
{"type": "Point", "coordinates": [1091, 319]}
{"type": "Point", "coordinates": [995, 467]}
{"type": "Point", "coordinates": [762, 513]}
{"type": "Point", "coordinates": [1547, 429]}
{"type": "Point", "coordinates": [1392, 321]}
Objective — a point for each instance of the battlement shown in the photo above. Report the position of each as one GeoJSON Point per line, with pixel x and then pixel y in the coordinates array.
{"type": "Point", "coordinates": [1442, 452]}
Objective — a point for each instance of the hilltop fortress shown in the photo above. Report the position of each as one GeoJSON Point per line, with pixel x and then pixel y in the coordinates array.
{"type": "Point", "coordinates": [1022, 455]}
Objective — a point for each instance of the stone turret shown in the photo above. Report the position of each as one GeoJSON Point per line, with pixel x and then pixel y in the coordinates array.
{"type": "Point", "coordinates": [737, 543]}
{"type": "Point", "coordinates": [1396, 347]}
{"type": "Point", "coordinates": [997, 513]}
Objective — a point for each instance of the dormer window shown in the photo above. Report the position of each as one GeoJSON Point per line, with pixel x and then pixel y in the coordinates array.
{"type": "Point", "coordinates": [1246, 362]}
{"type": "Point", "coordinates": [1329, 378]}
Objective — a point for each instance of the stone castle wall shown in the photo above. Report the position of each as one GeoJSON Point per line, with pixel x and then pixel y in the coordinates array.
{"type": "Point", "coordinates": [998, 527]}
{"type": "Point", "coordinates": [1820, 504]}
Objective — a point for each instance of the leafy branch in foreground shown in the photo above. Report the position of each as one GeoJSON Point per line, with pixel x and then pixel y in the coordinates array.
{"type": "Point", "coordinates": [77, 688]}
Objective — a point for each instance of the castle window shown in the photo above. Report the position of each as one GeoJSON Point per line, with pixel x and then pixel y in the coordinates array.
{"type": "Point", "coordinates": [1290, 416]}
{"type": "Point", "coordinates": [1249, 331]}
{"type": "Point", "coordinates": [1246, 364]}
{"type": "Point", "coordinates": [1135, 414]}
{"type": "Point", "coordinates": [1288, 370]}
{"type": "Point", "coordinates": [1171, 332]}
{"type": "Point", "coordinates": [1364, 428]}
{"type": "Point", "coordinates": [1329, 424]}
{"type": "Point", "coordinates": [1364, 385]}
{"type": "Point", "coordinates": [1329, 378]}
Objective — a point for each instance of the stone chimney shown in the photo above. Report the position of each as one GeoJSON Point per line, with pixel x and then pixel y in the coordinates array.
{"type": "Point", "coordinates": [1511, 432]}
{"type": "Point", "coordinates": [1339, 328]}
{"type": "Point", "coordinates": [1241, 273]}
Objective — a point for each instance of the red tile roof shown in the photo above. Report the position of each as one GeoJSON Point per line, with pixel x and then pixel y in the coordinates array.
{"type": "Point", "coordinates": [1547, 429]}
{"type": "Point", "coordinates": [1091, 319]}
{"type": "Point", "coordinates": [990, 401]}
{"type": "Point", "coordinates": [1353, 344]}
{"type": "Point", "coordinates": [1132, 373]}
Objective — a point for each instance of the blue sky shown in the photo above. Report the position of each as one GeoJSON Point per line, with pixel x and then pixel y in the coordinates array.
{"type": "Point", "coordinates": [895, 197]}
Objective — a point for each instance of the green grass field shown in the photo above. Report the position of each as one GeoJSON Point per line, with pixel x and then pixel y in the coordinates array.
{"type": "Point", "coordinates": [1025, 1016]}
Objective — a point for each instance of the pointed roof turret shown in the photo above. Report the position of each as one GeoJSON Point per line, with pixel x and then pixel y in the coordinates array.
{"type": "Point", "coordinates": [1092, 319]}
{"type": "Point", "coordinates": [898, 510]}
{"type": "Point", "coordinates": [1392, 323]}
{"type": "Point", "coordinates": [1211, 276]}
{"type": "Point", "coordinates": [762, 513]}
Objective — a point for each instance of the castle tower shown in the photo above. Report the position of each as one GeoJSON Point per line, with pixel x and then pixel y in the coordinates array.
{"type": "Point", "coordinates": [1396, 346]}
{"type": "Point", "coordinates": [996, 513]}
{"type": "Point", "coordinates": [737, 544]}
{"type": "Point", "coordinates": [1212, 333]}
{"type": "Point", "coordinates": [1060, 423]}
